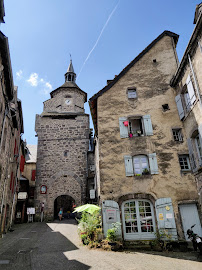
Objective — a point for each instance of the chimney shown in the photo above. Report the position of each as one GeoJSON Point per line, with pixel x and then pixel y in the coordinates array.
{"type": "Point", "coordinates": [198, 12]}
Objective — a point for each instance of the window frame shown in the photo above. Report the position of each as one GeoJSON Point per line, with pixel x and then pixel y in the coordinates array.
{"type": "Point", "coordinates": [140, 163]}
{"type": "Point", "coordinates": [188, 163]}
{"type": "Point", "coordinates": [142, 128]}
{"type": "Point", "coordinates": [129, 90]}
{"type": "Point", "coordinates": [179, 135]}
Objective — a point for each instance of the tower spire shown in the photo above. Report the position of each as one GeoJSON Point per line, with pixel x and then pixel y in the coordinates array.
{"type": "Point", "coordinates": [70, 75]}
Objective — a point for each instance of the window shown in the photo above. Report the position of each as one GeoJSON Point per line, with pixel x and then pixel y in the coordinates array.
{"type": "Point", "coordinates": [177, 135]}
{"type": "Point", "coordinates": [184, 162]}
{"type": "Point", "coordinates": [186, 99]}
{"type": "Point", "coordinates": [132, 93]}
{"type": "Point", "coordinates": [141, 165]}
{"type": "Point", "coordinates": [135, 126]}
{"type": "Point", "coordinates": [198, 146]}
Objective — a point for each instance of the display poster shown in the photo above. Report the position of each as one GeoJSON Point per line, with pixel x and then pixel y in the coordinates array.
{"type": "Point", "coordinates": [111, 216]}
{"type": "Point", "coordinates": [160, 216]}
{"type": "Point", "coordinates": [31, 211]}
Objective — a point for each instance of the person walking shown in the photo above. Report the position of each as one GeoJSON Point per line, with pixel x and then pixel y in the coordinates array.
{"type": "Point", "coordinates": [60, 214]}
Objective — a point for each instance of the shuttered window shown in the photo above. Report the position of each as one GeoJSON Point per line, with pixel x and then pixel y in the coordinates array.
{"type": "Point", "coordinates": [192, 155]}
{"type": "Point", "coordinates": [180, 108]}
{"type": "Point", "coordinates": [190, 90]}
{"type": "Point", "coordinates": [141, 165]}
{"type": "Point", "coordinates": [137, 126]}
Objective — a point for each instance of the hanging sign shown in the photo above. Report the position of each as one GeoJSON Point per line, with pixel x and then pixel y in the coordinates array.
{"type": "Point", "coordinates": [43, 189]}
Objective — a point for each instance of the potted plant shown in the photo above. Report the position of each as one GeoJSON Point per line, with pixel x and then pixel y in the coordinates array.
{"type": "Point", "coordinates": [112, 235]}
{"type": "Point", "coordinates": [138, 132]}
{"type": "Point", "coordinates": [145, 172]}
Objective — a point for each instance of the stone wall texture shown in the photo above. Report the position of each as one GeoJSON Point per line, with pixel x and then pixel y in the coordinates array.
{"type": "Point", "coordinates": [152, 82]}
{"type": "Point", "coordinates": [63, 142]}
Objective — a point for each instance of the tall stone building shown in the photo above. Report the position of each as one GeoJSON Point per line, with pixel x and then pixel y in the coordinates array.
{"type": "Point", "coordinates": [143, 172]}
{"type": "Point", "coordinates": [63, 142]}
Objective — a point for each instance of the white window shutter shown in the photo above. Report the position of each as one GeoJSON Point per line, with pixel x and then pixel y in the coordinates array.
{"type": "Point", "coordinates": [190, 89]}
{"type": "Point", "coordinates": [153, 163]}
{"type": "Point", "coordinates": [147, 125]}
{"type": "Point", "coordinates": [123, 129]}
{"type": "Point", "coordinates": [192, 157]}
{"type": "Point", "coordinates": [200, 138]}
{"type": "Point", "coordinates": [129, 165]}
{"type": "Point", "coordinates": [179, 106]}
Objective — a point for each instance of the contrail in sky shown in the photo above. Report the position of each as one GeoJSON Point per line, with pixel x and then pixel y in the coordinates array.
{"type": "Point", "coordinates": [98, 37]}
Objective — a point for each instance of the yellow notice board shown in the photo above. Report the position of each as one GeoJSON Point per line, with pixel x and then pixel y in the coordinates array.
{"type": "Point", "coordinates": [160, 216]}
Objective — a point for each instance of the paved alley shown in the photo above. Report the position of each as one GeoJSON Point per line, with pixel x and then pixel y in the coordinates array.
{"type": "Point", "coordinates": [41, 246]}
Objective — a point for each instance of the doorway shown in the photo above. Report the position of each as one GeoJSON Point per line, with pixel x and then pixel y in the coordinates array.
{"type": "Point", "coordinates": [138, 220]}
{"type": "Point", "coordinates": [189, 215]}
{"type": "Point", "coordinates": [65, 202]}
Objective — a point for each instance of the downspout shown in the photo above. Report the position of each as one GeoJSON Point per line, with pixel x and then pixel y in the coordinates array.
{"type": "Point", "coordinates": [195, 81]}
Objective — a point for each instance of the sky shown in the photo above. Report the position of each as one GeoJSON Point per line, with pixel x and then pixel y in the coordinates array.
{"type": "Point", "coordinates": [102, 36]}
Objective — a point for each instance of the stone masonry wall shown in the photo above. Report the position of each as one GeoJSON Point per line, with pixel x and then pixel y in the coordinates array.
{"type": "Point", "coordinates": [62, 158]}
{"type": "Point", "coordinates": [152, 82]}
{"type": "Point", "coordinates": [57, 104]}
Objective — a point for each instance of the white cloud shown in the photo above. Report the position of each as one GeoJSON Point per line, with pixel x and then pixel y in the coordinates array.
{"type": "Point", "coordinates": [48, 85]}
{"type": "Point", "coordinates": [19, 74]}
{"type": "Point", "coordinates": [33, 79]}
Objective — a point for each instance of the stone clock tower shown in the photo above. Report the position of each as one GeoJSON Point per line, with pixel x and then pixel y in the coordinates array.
{"type": "Point", "coordinates": [63, 142]}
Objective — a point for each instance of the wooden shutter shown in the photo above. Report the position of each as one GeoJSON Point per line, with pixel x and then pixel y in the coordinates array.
{"type": "Point", "coordinates": [33, 175]}
{"type": "Point", "coordinates": [200, 138]}
{"type": "Point", "coordinates": [153, 163]}
{"type": "Point", "coordinates": [190, 89]}
{"type": "Point", "coordinates": [165, 218]}
{"type": "Point", "coordinates": [192, 157]}
{"type": "Point", "coordinates": [179, 106]}
{"type": "Point", "coordinates": [123, 129]}
{"type": "Point", "coordinates": [129, 165]}
{"type": "Point", "coordinates": [147, 125]}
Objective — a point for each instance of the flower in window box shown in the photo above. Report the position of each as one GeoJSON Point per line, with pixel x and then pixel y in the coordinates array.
{"type": "Point", "coordinates": [145, 171]}
{"type": "Point", "coordinates": [138, 174]}
{"type": "Point", "coordinates": [125, 123]}
{"type": "Point", "coordinates": [130, 135]}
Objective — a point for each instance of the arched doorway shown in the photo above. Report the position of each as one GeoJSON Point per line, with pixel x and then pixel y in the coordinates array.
{"type": "Point", "coordinates": [65, 202]}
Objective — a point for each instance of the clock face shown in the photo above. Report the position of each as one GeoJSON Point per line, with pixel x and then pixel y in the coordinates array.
{"type": "Point", "coordinates": [68, 101]}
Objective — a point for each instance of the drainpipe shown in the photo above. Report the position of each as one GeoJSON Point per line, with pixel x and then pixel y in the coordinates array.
{"type": "Point", "coordinates": [195, 81]}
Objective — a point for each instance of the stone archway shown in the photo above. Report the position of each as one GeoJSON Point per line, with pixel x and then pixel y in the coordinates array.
{"type": "Point", "coordinates": [65, 202]}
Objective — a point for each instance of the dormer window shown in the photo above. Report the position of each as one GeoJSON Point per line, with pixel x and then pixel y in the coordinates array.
{"type": "Point", "coordinates": [132, 93]}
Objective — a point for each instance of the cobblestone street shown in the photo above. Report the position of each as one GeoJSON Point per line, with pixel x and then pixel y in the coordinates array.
{"type": "Point", "coordinates": [39, 246]}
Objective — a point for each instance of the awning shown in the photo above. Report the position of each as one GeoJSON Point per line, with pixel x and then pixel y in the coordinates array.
{"type": "Point", "coordinates": [22, 195]}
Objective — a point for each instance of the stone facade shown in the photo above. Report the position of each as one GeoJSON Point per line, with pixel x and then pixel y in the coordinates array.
{"type": "Point", "coordinates": [11, 127]}
{"type": "Point", "coordinates": [149, 74]}
{"type": "Point", "coordinates": [63, 142]}
{"type": "Point", "coordinates": [191, 109]}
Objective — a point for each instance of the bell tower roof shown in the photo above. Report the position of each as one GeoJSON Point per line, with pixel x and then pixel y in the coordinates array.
{"type": "Point", "coordinates": [70, 75]}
